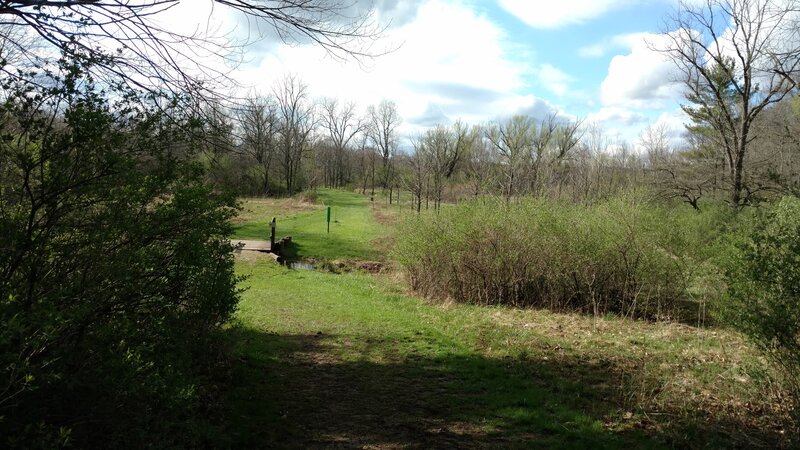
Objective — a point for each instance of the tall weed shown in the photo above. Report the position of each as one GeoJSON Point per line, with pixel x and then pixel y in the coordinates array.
{"type": "Point", "coordinates": [623, 256]}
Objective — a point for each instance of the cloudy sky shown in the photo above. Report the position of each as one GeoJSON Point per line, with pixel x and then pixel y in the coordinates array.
{"type": "Point", "coordinates": [487, 60]}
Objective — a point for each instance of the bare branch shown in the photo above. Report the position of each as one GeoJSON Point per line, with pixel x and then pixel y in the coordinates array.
{"type": "Point", "coordinates": [736, 58]}
{"type": "Point", "coordinates": [127, 42]}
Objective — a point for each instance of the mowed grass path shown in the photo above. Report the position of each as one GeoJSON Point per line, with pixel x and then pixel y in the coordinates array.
{"type": "Point", "coordinates": [354, 361]}
{"type": "Point", "coordinates": [352, 229]}
{"type": "Point", "coordinates": [350, 360]}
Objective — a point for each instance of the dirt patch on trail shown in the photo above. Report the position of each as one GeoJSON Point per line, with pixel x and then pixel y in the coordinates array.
{"type": "Point", "coordinates": [384, 216]}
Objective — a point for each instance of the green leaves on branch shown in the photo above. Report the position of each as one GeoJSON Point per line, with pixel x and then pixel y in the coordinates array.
{"type": "Point", "coordinates": [764, 273]}
{"type": "Point", "coordinates": [115, 270]}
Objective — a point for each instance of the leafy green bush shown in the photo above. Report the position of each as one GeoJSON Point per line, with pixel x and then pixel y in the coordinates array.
{"type": "Point", "coordinates": [115, 267]}
{"type": "Point", "coordinates": [764, 285]}
{"type": "Point", "coordinates": [622, 256]}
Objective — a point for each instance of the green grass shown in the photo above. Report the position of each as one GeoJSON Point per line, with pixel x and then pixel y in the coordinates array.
{"type": "Point", "coordinates": [353, 360]}
{"type": "Point", "coordinates": [350, 359]}
{"type": "Point", "coordinates": [352, 229]}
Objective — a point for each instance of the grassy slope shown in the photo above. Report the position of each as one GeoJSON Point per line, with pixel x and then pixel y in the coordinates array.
{"type": "Point", "coordinates": [352, 228]}
{"type": "Point", "coordinates": [352, 360]}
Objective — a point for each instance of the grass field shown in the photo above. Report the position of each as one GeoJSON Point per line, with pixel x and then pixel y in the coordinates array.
{"type": "Point", "coordinates": [353, 360]}
{"type": "Point", "coordinates": [353, 232]}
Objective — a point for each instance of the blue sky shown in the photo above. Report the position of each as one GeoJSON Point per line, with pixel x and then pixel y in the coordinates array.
{"type": "Point", "coordinates": [600, 53]}
{"type": "Point", "coordinates": [480, 61]}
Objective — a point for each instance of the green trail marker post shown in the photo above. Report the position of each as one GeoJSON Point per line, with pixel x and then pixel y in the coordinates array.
{"type": "Point", "coordinates": [329, 219]}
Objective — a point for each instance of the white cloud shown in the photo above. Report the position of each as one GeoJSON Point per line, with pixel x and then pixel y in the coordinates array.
{"type": "Point", "coordinates": [643, 78]}
{"type": "Point", "coordinates": [554, 79]}
{"type": "Point", "coordinates": [674, 122]}
{"type": "Point", "coordinates": [529, 105]}
{"type": "Point", "coordinates": [671, 123]}
{"type": "Point", "coordinates": [620, 41]}
{"type": "Point", "coordinates": [628, 126]}
{"type": "Point", "coordinates": [616, 115]}
{"type": "Point", "coordinates": [453, 63]}
{"type": "Point", "coordinates": [593, 51]}
{"type": "Point", "coordinates": [554, 14]}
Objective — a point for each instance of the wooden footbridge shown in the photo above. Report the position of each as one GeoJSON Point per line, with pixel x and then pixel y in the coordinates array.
{"type": "Point", "coordinates": [272, 246]}
{"type": "Point", "coordinates": [253, 246]}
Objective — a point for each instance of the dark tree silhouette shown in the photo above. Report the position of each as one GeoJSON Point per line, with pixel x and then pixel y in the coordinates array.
{"type": "Point", "coordinates": [126, 41]}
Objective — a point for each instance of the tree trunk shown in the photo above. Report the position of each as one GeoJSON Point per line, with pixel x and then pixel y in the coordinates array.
{"type": "Point", "coordinates": [737, 183]}
{"type": "Point", "coordinates": [265, 187]}
{"type": "Point", "coordinates": [373, 178]}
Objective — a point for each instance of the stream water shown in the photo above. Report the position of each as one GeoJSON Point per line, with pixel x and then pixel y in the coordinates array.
{"type": "Point", "coordinates": [300, 265]}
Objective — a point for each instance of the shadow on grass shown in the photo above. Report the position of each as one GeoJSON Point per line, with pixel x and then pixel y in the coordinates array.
{"type": "Point", "coordinates": [292, 392]}
{"type": "Point", "coordinates": [291, 251]}
{"type": "Point", "coordinates": [333, 247]}
{"type": "Point", "coordinates": [258, 229]}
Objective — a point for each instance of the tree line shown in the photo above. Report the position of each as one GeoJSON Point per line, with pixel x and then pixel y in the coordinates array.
{"type": "Point", "coordinates": [286, 141]}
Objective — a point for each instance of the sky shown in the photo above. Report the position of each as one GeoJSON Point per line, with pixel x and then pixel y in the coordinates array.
{"type": "Point", "coordinates": [481, 61]}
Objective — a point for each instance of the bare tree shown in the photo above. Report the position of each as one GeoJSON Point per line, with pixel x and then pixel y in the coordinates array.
{"type": "Point", "coordinates": [19, 47]}
{"type": "Point", "coordinates": [590, 162]}
{"type": "Point", "coordinates": [259, 127]}
{"type": "Point", "coordinates": [438, 146]}
{"type": "Point", "coordinates": [675, 173]}
{"type": "Point", "coordinates": [540, 144]}
{"type": "Point", "coordinates": [382, 131]}
{"type": "Point", "coordinates": [513, 141]}
{"type": "Point", "coordinates": [464, 138]}
{"type": "Point", "coordinates": [416, 179]}
{"type": "Point", "coordinates": [366, 159]}
{"type": "Point", "coordinates": [342, 125]}
{"type": "Point", "coordinates": [125, 39]}
{"type": "Point", "coordinates": [480, 164]}
{"type": "Point", "coordinates": [736, 58]}
{"type": "Point", "coordinates": [297, 118]}
{"type": "Point", "coordinates": [566, 137]}
{"type": "Point", "coordinates": [654, 140]}
{"type": "Point", "coordinates": [445, 148]}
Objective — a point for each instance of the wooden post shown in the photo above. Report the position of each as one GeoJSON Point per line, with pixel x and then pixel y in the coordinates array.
{"type": "Point", "coordinates": [272, 234]}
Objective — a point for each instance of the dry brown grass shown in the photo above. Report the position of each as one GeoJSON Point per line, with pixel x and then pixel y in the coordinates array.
{"type": "Point", "coordinates": [385, 215]}
{"type": "Point", "coordinates": [661, 370]}
{"type": "Point", "coordinates": [255, 209]}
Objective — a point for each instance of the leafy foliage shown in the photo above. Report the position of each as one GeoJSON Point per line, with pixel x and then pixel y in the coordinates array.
{"type": "Point", "coordinates": [764, 272]}
{"type": "Point", "coordinates": [622, 256]}
{"type": "Point", "coordinates": [115, 267]}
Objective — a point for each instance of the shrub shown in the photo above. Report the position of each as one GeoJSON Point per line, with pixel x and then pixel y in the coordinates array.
{"type": "Point", "coordinates": [115, 266]}
{"type": "Point", "coordinates": [622, 256]}
{"type": "Point", "coordinates": [764, 286]}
